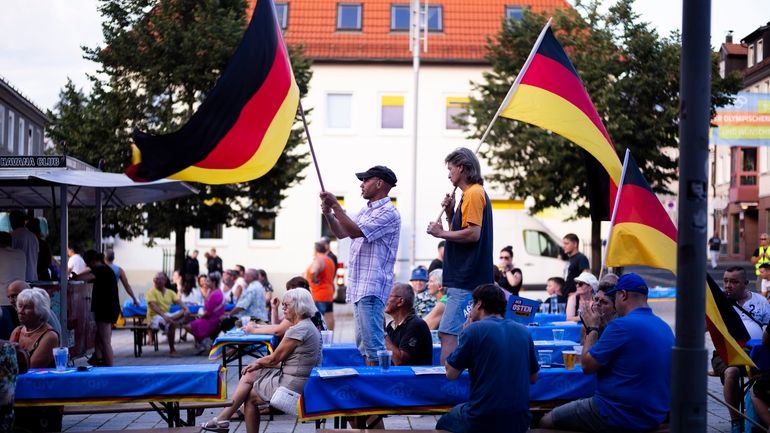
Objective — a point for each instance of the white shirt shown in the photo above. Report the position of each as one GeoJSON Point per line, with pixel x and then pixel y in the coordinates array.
{"type": "Point", "coordinates": [13, 263]}
{"type": "Point", "coordinates": [765, 284]}
{"type": "Point", "coordinates": [76, 264]}
{"type": "Point", "coordinates": [759, 308]}
{"type": "Point", "coordinates": [26, 241]}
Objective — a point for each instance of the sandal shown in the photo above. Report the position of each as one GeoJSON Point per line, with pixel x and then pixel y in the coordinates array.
{"type": "Point", "coordinates": [215, 425]}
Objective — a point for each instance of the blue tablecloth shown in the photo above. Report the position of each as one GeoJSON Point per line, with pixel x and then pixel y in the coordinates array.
{"type": "Point", "coordinates": [237, 337]}
{"type": "Point", "coordinates": [545, 318]}
{"type": "Point", "coordinates": [131, 310]}
{"type": "Point", "coordinates": [545, 332]}
{"type": "Point", "coordinates": [347, 355]}
{"type": "Point", "coordinates": [401, 391]}
{"type": "Point", "coordinates": [197, 382]}
{"type": "Point", "coordinates": [662, 292]}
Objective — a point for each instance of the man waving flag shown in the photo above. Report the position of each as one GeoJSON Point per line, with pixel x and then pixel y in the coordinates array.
{"type": "Point", "coordinates": [241, 128]}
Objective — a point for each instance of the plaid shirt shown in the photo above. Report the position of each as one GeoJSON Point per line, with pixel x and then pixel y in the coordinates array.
{"type": "Point", "coordinates": [372, 256]}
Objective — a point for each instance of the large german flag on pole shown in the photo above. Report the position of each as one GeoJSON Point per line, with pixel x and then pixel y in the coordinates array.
{"type": "Point", "coordinates": [241, 128]}
{"type": "Point", "coordinates": [549, 93]}
{"type": "Point", "coordinates": [642, 234]}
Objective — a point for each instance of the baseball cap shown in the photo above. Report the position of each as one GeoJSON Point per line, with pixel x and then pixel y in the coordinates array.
{"type": "Point", "coordinates": [631, 283]}
{"type": "Point", "coordinates": [588, 278]}
{"type": "Point", "coordinates": [379, 171]}
{"type": "Point", "coordinates": [419, 274]}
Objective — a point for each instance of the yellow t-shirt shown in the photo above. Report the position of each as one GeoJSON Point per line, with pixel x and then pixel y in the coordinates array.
{"type": "Point", "coordinates": [164, 301]}
{"type": "Point", "coordinates": [472, 206]}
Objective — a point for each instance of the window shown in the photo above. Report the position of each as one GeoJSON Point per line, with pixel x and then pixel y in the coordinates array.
{"type": "Point", "coordinates": [751, 56]}
{"type": "Point", "coordinates": [749, 158]}
{"type": "Point", "coordinates": [514, 12]}
{"type": "Point", "coordinates": [265, 229]}
{"type": "Point", "coordinates": [540, 244]}
{"type": "Point", "coordinates": [392, 112]}
{"type": "Point", "coordinates": [2, 125]}
{"type": "Point", "coordinates": [399, 17]}
{"type": "Point", "coordinates": [339, 110]}
{"type": "Point", "coordinates": [456, 108]}
{"type": "Point", "coordinates": [760, 50]}
{"type": "Point", "coordinates": [11, 131]}
{"type": "Point", "coordinates": [349, 16]}
{"type": "Point", "coordinates": [21, 149]}
{"type": "Point", "coordinates": [282, 11]}
{"type": "Point", "coordinates": [435, 18]}
{"type": "Point", "coordinates": [212, 232]}
{"type": "Point", "coordinates": [736, 237]}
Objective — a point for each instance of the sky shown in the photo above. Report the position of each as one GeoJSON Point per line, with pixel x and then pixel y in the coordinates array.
{"type": "Point", "coordinates": [40, 40]}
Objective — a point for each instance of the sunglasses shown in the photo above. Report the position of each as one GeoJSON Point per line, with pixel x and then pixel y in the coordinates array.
{"type": "Point", "coordinates": [505, 258]}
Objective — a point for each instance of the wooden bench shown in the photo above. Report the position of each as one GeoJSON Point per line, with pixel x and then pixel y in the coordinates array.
{"type": "Point", "coordinates": [380, 431]}
{"type": "Point", "coordinates": [193, 410]}
{"type": "Point", "coordinates": [156, 430]}
{"type": "Point", "coordinates": [664, 428]}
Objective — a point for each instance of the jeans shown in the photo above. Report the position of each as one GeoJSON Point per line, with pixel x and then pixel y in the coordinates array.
{"type": "Point", "coordinates": [369, 315]}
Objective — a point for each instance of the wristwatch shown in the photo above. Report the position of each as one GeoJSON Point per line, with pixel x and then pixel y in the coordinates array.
{"type": "Point", "coordinates": [591, 328]}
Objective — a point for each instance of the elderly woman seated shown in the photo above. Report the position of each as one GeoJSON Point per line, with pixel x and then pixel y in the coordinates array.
{"type": "Point", "coordinates": [34, 334]}
{"type": "Point", "coordinates": [436, 289]}
{"type": "Point", "coordinates": [288, 366]}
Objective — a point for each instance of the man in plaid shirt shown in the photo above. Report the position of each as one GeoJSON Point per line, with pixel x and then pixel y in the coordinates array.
{"type": "Point", "coordinates": [375, 233]}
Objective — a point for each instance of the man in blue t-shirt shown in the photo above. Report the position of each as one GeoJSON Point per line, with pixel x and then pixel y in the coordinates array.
{"type": "Point", "coordinates": [630, 396]}
{"type": "Point", "coordinates": [500, 379]}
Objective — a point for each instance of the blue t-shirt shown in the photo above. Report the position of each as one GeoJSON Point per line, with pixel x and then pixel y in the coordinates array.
{"type": "Point", "coordinates": [633, 383]}
{"type": "Point", "coordinates": [499, 378]}
{"type": "Point", "coordinates": [468, 265]}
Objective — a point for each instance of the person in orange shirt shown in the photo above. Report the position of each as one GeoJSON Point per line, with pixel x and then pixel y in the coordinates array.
{"type": "Point", "coordinates": [320, 275]}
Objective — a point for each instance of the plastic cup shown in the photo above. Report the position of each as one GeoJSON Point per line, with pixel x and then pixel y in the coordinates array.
{"type": "Point", "coordinates": [327, 338]}
{"type": "Point", "coordinates": [434, 336]}
{"type": "Point", "coordinates": [561, 308]}
{"type": "Point", "coordinates": [558, 334]}
{"type": "Point", "coordinates": [578, 349]}
{"type": "Point", "coordinates": [570, 356]}
{"type": "Point", "coordinates": [384, 357]}
{"type": "Point", "coordinates": [61, 357]}
{"type": "Point", "coordinates": [544, 357]}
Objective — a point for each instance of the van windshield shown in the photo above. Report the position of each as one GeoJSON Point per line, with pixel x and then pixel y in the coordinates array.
{"type": "Point", "coordinates": [540, 244]}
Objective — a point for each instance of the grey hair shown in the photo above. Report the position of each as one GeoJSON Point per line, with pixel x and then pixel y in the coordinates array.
{"type": "Point", "coordinates": [39, 298]}
{"type": "Point", "coordinates": [438, 274]}
{"type": "Point", "coordinates": [253, 272]}
{"type": "Point", "coordinates": [303, 302]}
{"type": "Point", "coordinates": [465, 158]}
{"type": "Point", "coordinates": [406, 293]}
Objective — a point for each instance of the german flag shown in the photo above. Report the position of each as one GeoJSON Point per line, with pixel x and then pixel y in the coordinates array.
{"type": "Point", "coordinates": [241, 128]}
{"type": "Point", "coordinates": [548, 93]}
{"type": "Point", "coordinates": [643, 234]}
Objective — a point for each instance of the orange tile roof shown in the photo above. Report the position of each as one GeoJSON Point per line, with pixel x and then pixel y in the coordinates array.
{"type": "Point", "coordinates": [466, 26]}
{"type": "Point", "coordinates": [735, 49]}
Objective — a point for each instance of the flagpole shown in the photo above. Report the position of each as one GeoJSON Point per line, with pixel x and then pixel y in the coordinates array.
{"type": "Point", "coordinates": [614, 211]}
{"type": "Point", "coordinates": [508, 96]}
{"type": "Point", "coordinates": [310, 142]}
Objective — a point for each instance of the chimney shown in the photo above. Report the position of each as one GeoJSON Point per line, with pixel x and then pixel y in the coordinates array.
{"type": "Point", "coordinates": [729, 37]}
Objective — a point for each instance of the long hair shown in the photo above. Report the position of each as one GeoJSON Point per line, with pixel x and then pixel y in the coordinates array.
{"type": "Point", "coordinates": [465, 158]}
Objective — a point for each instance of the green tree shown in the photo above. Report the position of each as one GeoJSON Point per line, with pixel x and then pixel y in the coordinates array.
{"type": "Point", "coordinates": [159, 61]}
{"type": "Point", "coordinates": [632, 76]}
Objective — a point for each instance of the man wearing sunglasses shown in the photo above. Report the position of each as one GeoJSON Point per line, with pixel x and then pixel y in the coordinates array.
{"type": "Point", "coordinates": [630, 396]}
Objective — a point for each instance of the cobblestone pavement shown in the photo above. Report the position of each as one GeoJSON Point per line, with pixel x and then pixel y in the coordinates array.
{"type": "Point", "coordinates": [718, 418]}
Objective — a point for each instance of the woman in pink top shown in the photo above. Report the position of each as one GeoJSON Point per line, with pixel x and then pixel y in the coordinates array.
{"type": "Point", "coordinates": [207, 325]}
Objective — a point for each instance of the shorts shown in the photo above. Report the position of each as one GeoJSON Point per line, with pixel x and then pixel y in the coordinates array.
{"type": "Point", "coordinates": [325, 307]}
{"type": "Point", "coordinates": [580, 415]}
{"type": "Point", "coordinates": [458, 306]}
{"type": "Point", "coordinates": [456, 421]}
{"type": "Point", "coordinates": [719, 367]}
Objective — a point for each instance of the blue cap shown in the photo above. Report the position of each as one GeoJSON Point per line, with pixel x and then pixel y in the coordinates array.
{"type": "Point", "coordinates": [419, 274]}
{"type": "Point", "coordinates": [631, 283]}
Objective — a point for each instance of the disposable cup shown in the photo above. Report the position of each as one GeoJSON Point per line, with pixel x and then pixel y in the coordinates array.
{"type": "Point", "coordinates": [327, 338]}
{"type": "Point", "coordinates": [434, 336]}
{"type": "Point", "coordinates": [61, 357]}
{"type": "Point", "coordinates": [570, 356]}
{"type": "Point", "coordinates": [384, 357]}
{"type": "Point", "coordinates": [544, 357]}
{"type": "Point", "coordinates": [558, 334]}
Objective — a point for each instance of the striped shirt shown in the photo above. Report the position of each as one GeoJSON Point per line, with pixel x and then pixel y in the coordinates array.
{"type": "Point", "coordinates": [373, 256]}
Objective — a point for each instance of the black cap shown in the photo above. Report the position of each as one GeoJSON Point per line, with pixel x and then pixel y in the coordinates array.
{"type": "Point", "coordinates": [379, 171]}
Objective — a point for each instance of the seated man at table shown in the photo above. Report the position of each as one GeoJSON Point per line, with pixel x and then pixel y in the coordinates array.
{"type": "Point", "coordinates": [251, 303]}
{"type": "Point", "coordinates": [500, 379]}
{"type": "Point", "coordinates": [159, 302]}
{"type": "Point", "coordinates": [630, 396]}
{"type": "Point", "coordinates": [408, 336]}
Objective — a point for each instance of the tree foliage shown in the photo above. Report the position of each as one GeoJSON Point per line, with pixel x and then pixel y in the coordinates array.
{"type": "Point", "coordinates": [159, 60]}
{"type": "Point", "coordinates": [632, 76]}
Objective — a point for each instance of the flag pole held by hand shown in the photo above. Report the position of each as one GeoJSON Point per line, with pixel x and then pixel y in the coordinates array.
{"type": "Point", "coordinates": [310, 142]}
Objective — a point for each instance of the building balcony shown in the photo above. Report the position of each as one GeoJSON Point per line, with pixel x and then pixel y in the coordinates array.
{"type": "Point", "coordinates": [744, 187]}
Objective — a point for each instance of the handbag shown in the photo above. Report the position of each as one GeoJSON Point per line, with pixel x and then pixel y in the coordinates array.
{"type": "Point", "coordinates": [285, 400]}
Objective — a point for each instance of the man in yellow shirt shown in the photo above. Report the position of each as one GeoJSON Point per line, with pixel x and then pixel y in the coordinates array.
{"type": "Point", "coordinates": [159, 301]}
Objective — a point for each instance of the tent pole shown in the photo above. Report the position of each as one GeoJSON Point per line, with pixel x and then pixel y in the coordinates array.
{"type": "Point", "coordinates": [63, 276]}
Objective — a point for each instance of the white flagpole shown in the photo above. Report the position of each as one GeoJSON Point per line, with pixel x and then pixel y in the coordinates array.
{"type": "Point", "coordinates": [615, 210]}
{"type": "Point", "coordinates": [508, 96]}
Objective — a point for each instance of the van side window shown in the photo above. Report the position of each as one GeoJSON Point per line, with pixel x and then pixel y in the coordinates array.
{"type": "Point", "coordinates": [539, 244]}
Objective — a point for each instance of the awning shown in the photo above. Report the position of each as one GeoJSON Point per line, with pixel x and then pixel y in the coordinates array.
{"type": "Point", "coordinates": [37, 188]}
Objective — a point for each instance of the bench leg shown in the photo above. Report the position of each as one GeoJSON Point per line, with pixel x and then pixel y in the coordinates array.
{"type": "Point", "coordinates": [155, 338]}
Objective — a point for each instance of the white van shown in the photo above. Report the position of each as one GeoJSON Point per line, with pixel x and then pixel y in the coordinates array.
{"type": "Point", "coordinates": [536, 250]}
